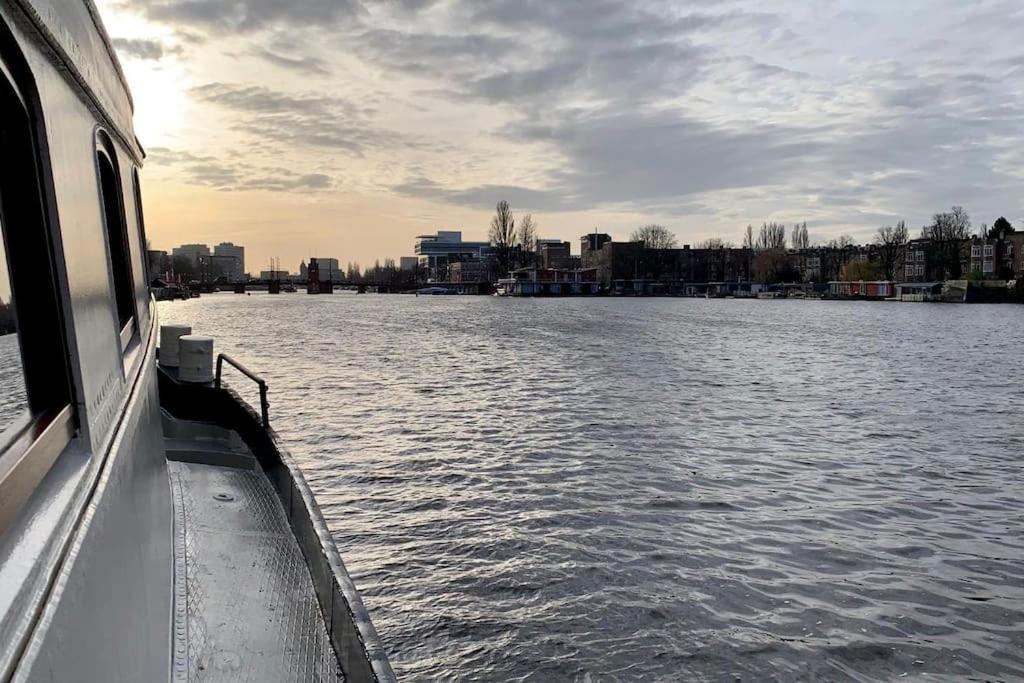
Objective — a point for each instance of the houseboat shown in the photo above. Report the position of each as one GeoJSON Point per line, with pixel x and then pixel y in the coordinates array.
{"type": "Point", "coordinates": [150, 529]}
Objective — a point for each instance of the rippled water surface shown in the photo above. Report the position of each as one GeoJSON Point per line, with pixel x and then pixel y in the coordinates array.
{"type": "Point", "coordinates": [660, 489]}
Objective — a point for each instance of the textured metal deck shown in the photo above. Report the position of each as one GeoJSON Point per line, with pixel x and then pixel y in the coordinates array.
{"type": "Point", "coordinates": [245, 609]}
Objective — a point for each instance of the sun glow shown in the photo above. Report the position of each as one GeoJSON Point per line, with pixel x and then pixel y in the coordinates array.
{"type": "Point", "coordinates": [159, 86]}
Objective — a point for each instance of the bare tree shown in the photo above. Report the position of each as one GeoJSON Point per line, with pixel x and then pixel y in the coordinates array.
{"type": "Point", "coordinates": [715, 243]}
{"type": "Point", "coordinates": [947, 234]}
{"type": "Point", "coordinates": [834, 256]}
{"type": "Point", "coordinates": [748, 237]}
{"type": "Point", "coordinates": [800, 238]}
{"type": "Point", "coordinates": [891, 243]}
{"type": "Point", "coordinates": [503, 236]}
{"type": "Point", "coordinates": [772, 236]}
{"type": "Point", "coordinates": [527, 237]}
{"type": "Point", "coordinates": [654, 237]}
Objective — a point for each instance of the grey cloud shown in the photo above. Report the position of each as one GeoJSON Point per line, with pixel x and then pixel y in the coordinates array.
{"type": "Point", "coordinates": [302, 121]}
{"type": "Point", "coordinates": [218, 16]}
{"type": "Point", "coordinates": [144, 49]}
{"type": "Point", "coordinates": [440, 54]}
{"type": "Point", "coordinates": [235, 175]}
{"type": "Point", "coordinates": [485, 196]}
{"type": "Point", "coordinates": [304, 64]}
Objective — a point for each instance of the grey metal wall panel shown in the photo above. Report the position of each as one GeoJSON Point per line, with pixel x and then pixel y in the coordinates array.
{"type": "Point", "coordinates": [95, 347]}
{"type": "Point", "coordinates": [109, 616]}
{"type": "Point", "coordinates": [70, 29]}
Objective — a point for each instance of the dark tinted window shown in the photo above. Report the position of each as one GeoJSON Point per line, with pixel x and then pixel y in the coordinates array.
{"type": "Point", "coordinates": [142, 225]}
{"type": "Point", "coordinates": [13, 399]}
{"type": "Point", "coordinates": [33, 359]}
{"type": "Point", "coordinates": [117, 236]}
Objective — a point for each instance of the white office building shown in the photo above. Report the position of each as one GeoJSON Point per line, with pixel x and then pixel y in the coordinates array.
{"type": "Point", "coordinates": [436, 252]}
{"type": "Point", "coordinates": [228, 249]}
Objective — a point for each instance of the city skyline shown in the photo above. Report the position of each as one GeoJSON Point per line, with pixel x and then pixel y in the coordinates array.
{"type": "Point", "coordinates": [388, 120]}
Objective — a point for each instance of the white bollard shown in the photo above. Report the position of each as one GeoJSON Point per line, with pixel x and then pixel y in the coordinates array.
{"type": "Point", "coordinates": [196, 362]}
{"type": "Point", "coordinates": [169, 335]}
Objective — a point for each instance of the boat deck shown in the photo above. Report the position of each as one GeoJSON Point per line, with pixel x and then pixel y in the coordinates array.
{"type": "Point", "coordinates": [245, 607]}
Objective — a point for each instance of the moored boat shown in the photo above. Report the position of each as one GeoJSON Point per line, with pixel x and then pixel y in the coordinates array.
{"type": "Point", "coordinates": [150, 529]}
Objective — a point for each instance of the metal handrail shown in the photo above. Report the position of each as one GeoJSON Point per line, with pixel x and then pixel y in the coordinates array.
{"type": "Point", "coordinates": [264, 404]}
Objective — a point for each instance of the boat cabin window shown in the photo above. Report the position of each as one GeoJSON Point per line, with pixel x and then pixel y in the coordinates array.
{"type": "Point", "coordinates": [13, 396]}
{"type": "Point", "coordinates": [36, 419]}
{"type": "Point", "coordinates": [117, 237]}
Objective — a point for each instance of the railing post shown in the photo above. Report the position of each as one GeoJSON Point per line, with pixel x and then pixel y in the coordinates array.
{"type": "Point", "coordinates": [264, 404]}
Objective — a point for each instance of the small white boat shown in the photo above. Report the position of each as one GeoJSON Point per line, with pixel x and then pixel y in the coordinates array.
{"type": "Point", "coordinates": [433, 291]}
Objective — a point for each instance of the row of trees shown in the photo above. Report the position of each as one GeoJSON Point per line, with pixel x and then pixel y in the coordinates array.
{"type": "Point", "coordinates": [515, 245]}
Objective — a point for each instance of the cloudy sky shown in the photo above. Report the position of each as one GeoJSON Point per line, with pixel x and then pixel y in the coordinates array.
{"type": "Point", "coordinates": [347, 127]}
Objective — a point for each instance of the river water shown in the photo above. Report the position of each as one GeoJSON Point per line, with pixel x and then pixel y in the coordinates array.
{"type": "Point", "coordinates": [658, 488]}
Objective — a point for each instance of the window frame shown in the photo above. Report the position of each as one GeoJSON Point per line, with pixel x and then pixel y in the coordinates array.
{"type": "Point", "coordinates": [141, 224]}
{"type": "Point", "coordinates": [128, 326]}
{"type": "Point", "coordinates": [32, 443]}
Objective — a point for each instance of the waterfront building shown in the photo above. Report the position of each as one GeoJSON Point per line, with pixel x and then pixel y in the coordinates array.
{"type": "Point", "coordinates": [916, 261]}
{"type": "Point", "coordinates": [436, 252]}
{"type": "Point", "coordinates": [919, 291]}
{"type": "Point", "coordinates": [328, 268]}
{"type": "Point", "coordinates": [269, 275]}
{"type": "Point", "coordinates": [549, 282]}
{"type": "Point", "coordinates": [219, 267]}
{"type": "Point", "coordinates": [231, 250]}
{"type": "Point", "coordinates": [554, 254]}
{"type": "Point", "coordinates": [1015, 253]}
{"type": "Point", "coordinates": [880, 289]}
{"type": "Point", "coordinates": [469, 271]}
{"type": "Point", "coordinates": [159, 263]}
{"type": "Point", "coordinates": [192, 252]}
{"type": "Point", "coordinates": [994, 257]}
{"type": "Point", "coordinates": [316, 281]}
{"type": "Point", "coordinates": [631, 266]}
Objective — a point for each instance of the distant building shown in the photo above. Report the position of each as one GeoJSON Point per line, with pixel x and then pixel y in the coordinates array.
{"type": "Point", "coordinates": [230, 250]}
{"type": "Point", "coordinates": [549, 282]}
{"type": "Point", "coordinates": [268, 275]}
{"type": "Point", "coordinates": [469, 271]}
{"type": "Point", "coordinates": [554, 254]}
{"type": "Point", "coordinates": [408, 263]}
{"type": "Point", "coordinates": [159, 263]}
{"type": "Point", "coordinates": [316, 281]}
{"type": "Point", "coordinates": [997, 257]}
{"type": "Point", "coordinates": [916, 261]}
{"type": "Point", "coordinates": [436, 252]}
{"type": "Point", "coordinates": [880, 289]}
{"type": "Point", "coordinates": [633, 267]}
{"type": "Point", "coordinates": [1015, 253]}
{"type": "Point", "coordinates": [218, 267]}
{"type": "Point", "coordinates": [328, 268]}
{"type": "Point", "coordinates": [192, 252]}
